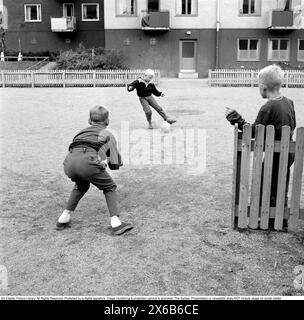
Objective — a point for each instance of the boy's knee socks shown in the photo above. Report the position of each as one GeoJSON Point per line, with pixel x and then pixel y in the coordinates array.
{"type": "Point", "coordinates": [112, 202]}
{"type": "Point", "coordinates": [148, 116]}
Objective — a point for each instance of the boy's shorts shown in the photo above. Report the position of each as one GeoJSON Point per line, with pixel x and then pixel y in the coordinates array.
{"type": "Point", "coordinates": [83, 167]}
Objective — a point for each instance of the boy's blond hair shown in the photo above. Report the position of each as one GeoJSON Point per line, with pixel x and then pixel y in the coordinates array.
{"type": "Point", "coordinates": [149, 72]}
{"type": "Point", "coordinates": [99, 114]}
{"type": "Point", "coordinates": [271, 77]}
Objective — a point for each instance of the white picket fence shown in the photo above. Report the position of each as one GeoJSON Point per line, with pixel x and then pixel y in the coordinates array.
{"type": "Point", "coordinates": [248, 78]}
{"type": "Point", "coordinates": [71, 78]}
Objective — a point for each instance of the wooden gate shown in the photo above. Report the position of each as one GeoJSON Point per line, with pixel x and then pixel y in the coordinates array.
{"type": "Point", "coordinates": [252, 176]}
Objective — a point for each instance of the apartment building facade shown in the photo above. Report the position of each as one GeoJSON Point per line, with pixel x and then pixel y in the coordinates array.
{"type": "Point", "coordinates": [44, 25]}
{"type": "Point", "coordinates": [182, 38]}
{"type": "Point", "coordinates": [188, 37]}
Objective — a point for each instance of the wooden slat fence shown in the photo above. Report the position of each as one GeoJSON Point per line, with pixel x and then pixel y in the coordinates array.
{"type": "Point", "coordinates": [71, 78]}
{"type": "Point", "coordinates": [248, 78]}
{"type": "Point", "coordinates": [253, 167]}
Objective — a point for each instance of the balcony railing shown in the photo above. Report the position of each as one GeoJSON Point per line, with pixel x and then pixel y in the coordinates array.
{"type": "Point", "coordinates": [64, 24]}
{"type": "Point", "coordinates": [282, 20]}
{"type": "Point", "coordinates": [155, 20]}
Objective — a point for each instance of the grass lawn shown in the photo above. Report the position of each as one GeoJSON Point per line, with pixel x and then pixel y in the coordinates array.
{"type": "Point", "coordinates": [182, 243]}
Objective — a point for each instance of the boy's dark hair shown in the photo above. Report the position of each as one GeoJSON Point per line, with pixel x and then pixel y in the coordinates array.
{"type": "Point", "coordinates": [99, 114]}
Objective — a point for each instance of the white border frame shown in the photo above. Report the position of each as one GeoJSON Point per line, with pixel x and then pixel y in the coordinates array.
{"type": "Point", "coordinates": [86, 4]}
{"type": "Point", "coordinates": [258, 49]}
{"type": "Point", "coordinates": [32, 4]}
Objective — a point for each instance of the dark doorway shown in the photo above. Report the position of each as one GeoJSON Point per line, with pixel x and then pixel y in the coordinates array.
{"type": "Point", "coordinates": [153, 5]}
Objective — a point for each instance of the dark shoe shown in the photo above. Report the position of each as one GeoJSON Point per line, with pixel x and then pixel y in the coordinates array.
{"type": "Point", "coordinates": [124, 227]}
{"type": "Point", "coordinates": [171, 121]}
{"type": "Point", "coordinates": [60, 226]}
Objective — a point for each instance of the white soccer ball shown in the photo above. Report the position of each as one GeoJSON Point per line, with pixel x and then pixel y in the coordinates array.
{"type": "Point", "coordinates": [166, 127]}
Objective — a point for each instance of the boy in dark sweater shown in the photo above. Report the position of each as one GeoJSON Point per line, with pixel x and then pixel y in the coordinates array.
{"type": "Point", "coordinates": [277, 111]}
{"type": "Point", "coordinates": [145, 89]}
{"type": "Point", "coordinates": [92, 150]}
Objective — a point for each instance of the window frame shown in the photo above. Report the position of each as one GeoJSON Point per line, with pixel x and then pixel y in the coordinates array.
{"type": "Point", "coordinates": [39, 12]}
{"type": "Point", "coordinates": [63, 6]}
{"type": "Point", "coordinates": [186, 15]}
{"type": "Point", "coordinates": [298, 51]}
{"type": "Point", "coordinates": [120, 15]}
{"type": "Point", "coordinates": [257, 14]}
{"type": "Point", "coordinates": [279, 44]}
{"type": "Point", "coordinates": [248, 43]}
{"type": "Point", "coordinates": [90, 4]}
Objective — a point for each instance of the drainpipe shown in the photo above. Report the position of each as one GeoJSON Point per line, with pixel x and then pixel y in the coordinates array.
{"type": "Point", "coordinates": [217, 33]}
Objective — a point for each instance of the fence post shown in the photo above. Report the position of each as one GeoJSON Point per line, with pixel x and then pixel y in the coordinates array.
{"type": "Point", "coordinates": [94, 78]}
{"type": "Point", "coordinates": [252, 78]}
{"type": "Point", "coordinates": [126, 77]}
{"type": "Point", "coordinates": [3, 79]}
{"type": "Point", "coordinates": [63, 79]}
{"type": "Point", "coordinates": [33, 79]}
{"type": "Point", "coordinates": [209, 77]}
{"type": "Point", "coordinates": [287, 79]}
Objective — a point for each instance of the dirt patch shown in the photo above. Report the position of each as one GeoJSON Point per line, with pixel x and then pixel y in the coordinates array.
{"type": "Point", "coordinates": [182, 243]}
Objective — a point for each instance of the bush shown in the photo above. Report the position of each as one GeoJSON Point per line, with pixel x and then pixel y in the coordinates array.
{"type": "Point", "coordinates": [288, 66]}
{"type": "Point", "coordinates": [96, 58]}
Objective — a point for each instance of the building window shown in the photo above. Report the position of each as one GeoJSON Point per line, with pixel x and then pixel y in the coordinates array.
{"type": "Point", "coordinates": [90, 12]}
{"type": "Point", "coordinates": [301, 50]}
{"type": "Point", "coordinates": [32, 12]}
{"type": "Point", "coordinates": [68, 9]}
{"type": "Point", "coordinates": [278, 50]}
{"type": "Point", "coordinates": [186, 7]}
{"type": "Point", "coordinates": [248, 50]}
{"type": "Point", "coordinates": [126, 7]}
{"type": "Point", "coordinates": [250, 7]}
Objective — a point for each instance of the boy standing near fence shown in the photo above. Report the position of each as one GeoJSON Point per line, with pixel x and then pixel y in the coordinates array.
{"type": "Point", "coordinates": [277, 111]}
{"type": "Point", "coordinates": [145, 91]}
{"type": "Point", "coordinates": [86, 163]}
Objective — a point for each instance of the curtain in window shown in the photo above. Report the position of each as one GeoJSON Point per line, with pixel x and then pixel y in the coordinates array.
{"type": "Point", "coordinates": [194, 4]}
{"type": "Point", "coordinates": [32, 13]}
{"type": "Point", "coordinates": [126, 6]}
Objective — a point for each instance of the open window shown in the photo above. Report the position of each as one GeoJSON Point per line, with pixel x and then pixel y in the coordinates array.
{"type": "Point", "coordinates": [32, 12]}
